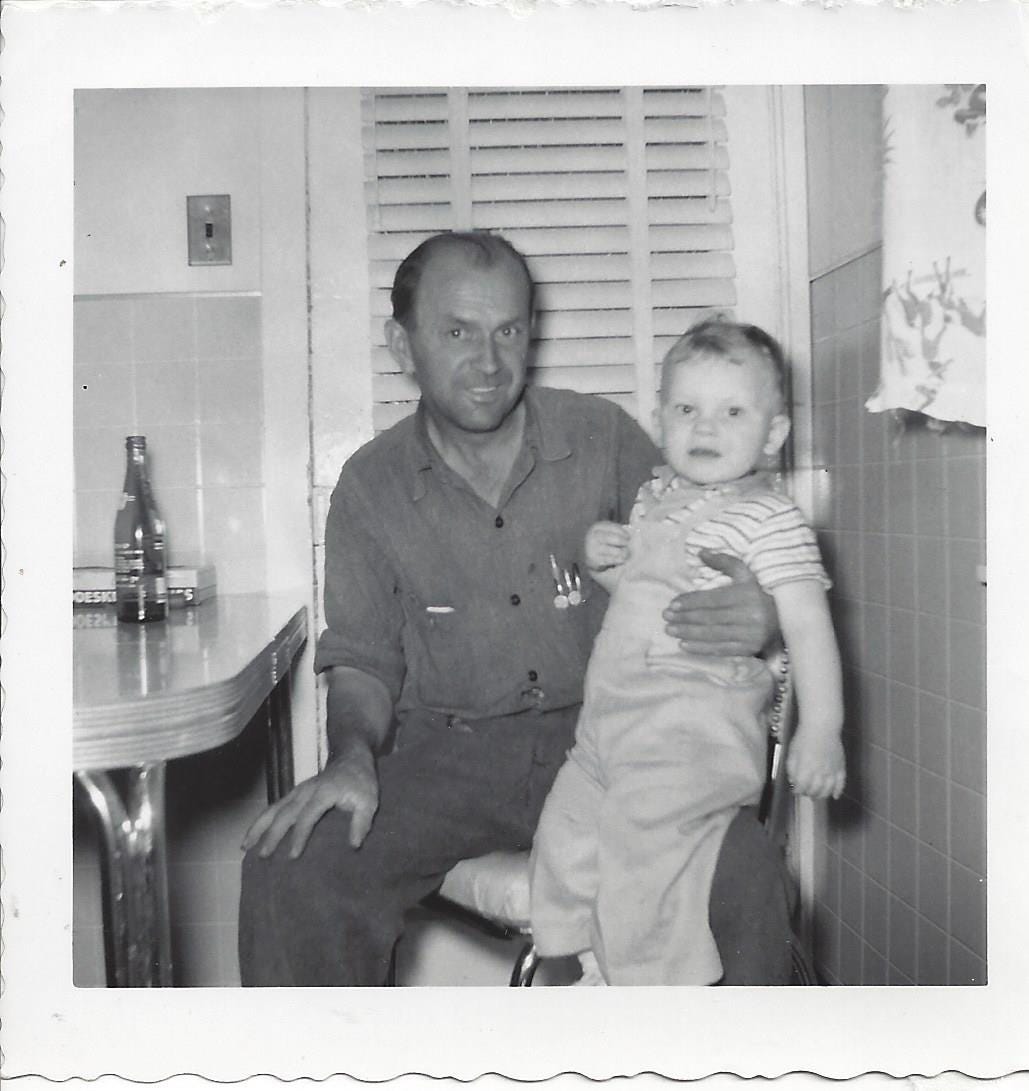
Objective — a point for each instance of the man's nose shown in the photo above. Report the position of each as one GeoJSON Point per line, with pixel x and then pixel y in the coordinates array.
{"type": "Point", "coordinates": [489, 358]}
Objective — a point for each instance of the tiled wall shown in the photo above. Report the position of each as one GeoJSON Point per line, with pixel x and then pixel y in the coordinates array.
{"type": "Point", "coordinates": [186, 372]}
{"type": "Point", "coordinates": [901, 860]}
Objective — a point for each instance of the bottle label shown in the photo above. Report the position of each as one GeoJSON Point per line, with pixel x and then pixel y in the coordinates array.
{"type": "Point", "coordinates": [128, 562]}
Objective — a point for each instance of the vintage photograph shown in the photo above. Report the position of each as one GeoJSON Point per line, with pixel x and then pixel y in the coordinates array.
{"type": "Point", "coordinates": [527, 533]}
{"type": "Point", "coordinates": [479, 252]}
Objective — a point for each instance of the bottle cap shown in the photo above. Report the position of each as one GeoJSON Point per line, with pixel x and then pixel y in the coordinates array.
{"type": "Point", "coordinates": [135, 441]}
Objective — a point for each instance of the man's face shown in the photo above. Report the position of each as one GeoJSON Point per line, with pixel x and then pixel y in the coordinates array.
{"type": "Point", "coordinates": [468, 345]}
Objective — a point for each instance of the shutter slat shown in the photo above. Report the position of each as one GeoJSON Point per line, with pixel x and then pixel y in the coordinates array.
{"type": "Point", "coordinates": [569, 186]}
{"type": "Point", "coordinates": [544, 187]}
{"type": "Point", "coordinates": [686, 130]}
{"type": "Point", "coordinates": [588, 378]}
{"type": "Point", "coordinates": [427, 134]}
{"type": "Point", "coordinates": [532, 134]}
{"type": "Point", "coordinates": [559, 158]}
{"type": "Point", "coordinates": [406, 108]}
{"type": "Point", "coordinates": [586, 350]}
{"type": "Point", "coordinates": [687, 183]}
{"type": "Point", "coordinates": [694, 293]}
{"type": "Point", "coordinates": [584, 324]}
{"type": "Point", "coordinates": [578, 296]}
{"type": "Point", "coordinates": [427, 218]}
{"type": "Point", "coordinates": [502, 105]}
{"type": "Point", "coordinates": [501, 215]}
{"type": "Point", "coordinates": [416, 162]}
{"type": "Point", "coordinates": [680, 266]}
{"type": "Point", "coordinates": [681, 102]}
{"type": "Point", "coordinates": [687, 157]}
{"type": "Point", "coordinates": [691, 237]}
{"type": "Point", "coordinates": [557, 268]}
{"type": "Point", "coordinates": [418, 191]}
{"type": "Point", "coordinates": [688, 210]}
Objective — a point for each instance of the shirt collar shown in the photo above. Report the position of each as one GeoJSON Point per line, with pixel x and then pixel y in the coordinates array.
{"type": "Point", "coordinates": [666, 479]}
{"type": "Point", "coordinates": [545, 434]}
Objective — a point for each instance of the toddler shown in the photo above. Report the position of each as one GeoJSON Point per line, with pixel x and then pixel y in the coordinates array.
{"type": "Point", "coordinates": [670, 745]}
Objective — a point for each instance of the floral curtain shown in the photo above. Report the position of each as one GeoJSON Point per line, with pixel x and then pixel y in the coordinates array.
{"type": "Point", "coordinates": [934, 253]}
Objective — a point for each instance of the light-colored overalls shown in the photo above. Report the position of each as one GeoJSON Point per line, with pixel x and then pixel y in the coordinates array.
{"type": "Point", "coordinates": [668, 747]}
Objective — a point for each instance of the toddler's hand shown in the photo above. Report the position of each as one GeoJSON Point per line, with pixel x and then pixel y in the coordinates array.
{"type": "Point", "coordinates": [607, 545]}
{"type": "Point", "coordinates": [815, 763]}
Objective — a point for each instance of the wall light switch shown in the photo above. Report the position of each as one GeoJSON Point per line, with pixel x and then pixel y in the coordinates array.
{"type": "Point", "coordinates": [209, 227]}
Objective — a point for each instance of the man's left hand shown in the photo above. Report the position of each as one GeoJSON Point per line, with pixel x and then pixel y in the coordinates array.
{"type": "Point", "coordinates": [737, 619]}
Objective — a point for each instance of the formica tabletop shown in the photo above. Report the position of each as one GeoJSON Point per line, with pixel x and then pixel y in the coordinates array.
{"type": "Point", "coordinates": [160, 690]}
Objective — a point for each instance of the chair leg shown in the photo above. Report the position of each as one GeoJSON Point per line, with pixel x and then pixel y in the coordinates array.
{"type": "Point", "coordinates": [525, 966]}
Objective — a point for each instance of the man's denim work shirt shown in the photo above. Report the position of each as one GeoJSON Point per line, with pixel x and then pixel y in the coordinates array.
{"type": "Point", "coordinates": [451, 602]}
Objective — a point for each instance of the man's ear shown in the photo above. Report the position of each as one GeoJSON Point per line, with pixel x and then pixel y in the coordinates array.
{"type": "Point", "coordinates": [778, 430]}
{"type": "Point", "coordinates": [399, 345]}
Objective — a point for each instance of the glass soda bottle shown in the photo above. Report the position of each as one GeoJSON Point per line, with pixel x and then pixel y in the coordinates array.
{"type": "Point", "coordinates": [141, 587]}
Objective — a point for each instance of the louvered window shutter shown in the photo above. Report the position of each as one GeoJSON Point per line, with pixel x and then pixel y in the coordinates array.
{"type": "Point", "coordinates": [618, 198]}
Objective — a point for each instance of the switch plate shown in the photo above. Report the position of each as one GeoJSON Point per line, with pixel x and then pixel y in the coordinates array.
{"type": "Point", "coordinates": [209, 230]}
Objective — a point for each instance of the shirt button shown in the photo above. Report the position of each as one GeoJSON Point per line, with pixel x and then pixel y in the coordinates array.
{"type": "Point", "coordinates": [498, 522]}
{"type": "Point", "coordinates": [533, 675]}
{"type": "Point", "coordinates": [516, 599]}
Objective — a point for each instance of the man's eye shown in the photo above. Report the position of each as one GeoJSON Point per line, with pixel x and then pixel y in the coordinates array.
{"type": "Point", "coordinates": [456, 332]}
{"type": "Point", "coordinates": [735, 410]}
{"type": "Point", "coordinates": [510, 331]}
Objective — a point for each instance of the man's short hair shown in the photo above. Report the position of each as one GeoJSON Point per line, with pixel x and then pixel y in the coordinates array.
{"type": "Point", "coordinates": [720, 336]}
{"type": "Point", "coordinates": [485, 249]}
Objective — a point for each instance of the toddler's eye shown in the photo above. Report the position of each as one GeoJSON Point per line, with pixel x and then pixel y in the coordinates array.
{"type": "Point", "coordinates": [685, 410]}
{"type": "Point", "coordinates": [735, 410]}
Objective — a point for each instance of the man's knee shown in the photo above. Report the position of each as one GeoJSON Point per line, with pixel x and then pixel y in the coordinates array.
{"type": "Point", "coordinates": [302, 925]}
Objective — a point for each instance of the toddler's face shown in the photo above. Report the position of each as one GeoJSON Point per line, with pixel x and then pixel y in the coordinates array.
{"type": "Point", "coordinates": [719, 417]}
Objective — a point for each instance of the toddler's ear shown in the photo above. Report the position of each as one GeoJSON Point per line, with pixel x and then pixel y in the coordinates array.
{"type": "Point", "coordinates": [778, 430]}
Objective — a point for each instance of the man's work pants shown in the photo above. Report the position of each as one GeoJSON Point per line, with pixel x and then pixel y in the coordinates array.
{"type": "Point", "coordinates": [451, 791]}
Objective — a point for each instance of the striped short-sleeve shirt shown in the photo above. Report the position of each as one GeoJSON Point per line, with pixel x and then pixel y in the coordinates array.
{"type": "Point", "coordinates": [764, 528]}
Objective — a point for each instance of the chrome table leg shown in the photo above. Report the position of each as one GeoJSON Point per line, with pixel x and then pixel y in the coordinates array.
{"type": "Point", "coordinates": [279, 713]}
{"type": "Point", "coordinates": [135, 874]}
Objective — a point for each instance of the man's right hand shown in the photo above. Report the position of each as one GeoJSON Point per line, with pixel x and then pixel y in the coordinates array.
{"type": "Point", "coordinates": [349, 784]}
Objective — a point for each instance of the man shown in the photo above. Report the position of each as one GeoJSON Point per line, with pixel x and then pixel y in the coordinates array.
{"type": "Point", "coordinates": [454, 675]}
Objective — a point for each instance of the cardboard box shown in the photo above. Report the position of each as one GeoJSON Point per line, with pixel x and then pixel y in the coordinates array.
{"type": "Point", "coordinates": [93, 587]}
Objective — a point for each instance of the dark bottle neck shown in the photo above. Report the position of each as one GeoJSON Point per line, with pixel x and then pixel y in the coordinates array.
{"type": "Point", "coordinates": [135, 464]}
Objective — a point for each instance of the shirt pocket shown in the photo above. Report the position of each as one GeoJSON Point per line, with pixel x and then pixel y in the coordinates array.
{"type": "Point", "coordinates": [449, 649]}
